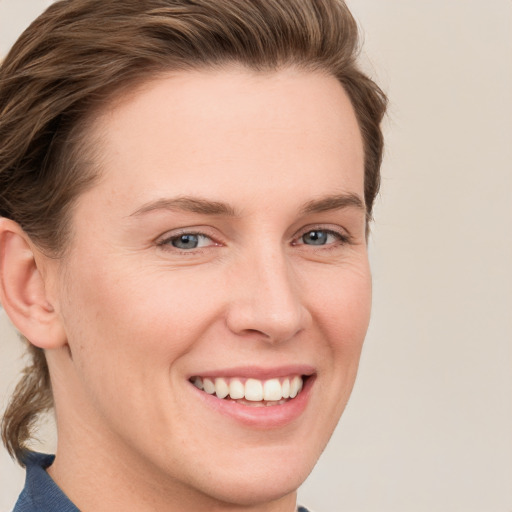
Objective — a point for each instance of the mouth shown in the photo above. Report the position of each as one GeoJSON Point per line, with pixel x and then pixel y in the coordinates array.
{"type": "Point", "coordinates": [257, 397]}
{"type": "Point", "coordinates": [252, 392]}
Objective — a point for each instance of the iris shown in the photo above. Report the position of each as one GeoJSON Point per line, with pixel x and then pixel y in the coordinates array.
{"type": "Point", "coordinates": [315, 237]}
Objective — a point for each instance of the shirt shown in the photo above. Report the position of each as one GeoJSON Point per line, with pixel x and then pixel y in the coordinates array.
{"type": "Point", "coordinates": [42, 494]}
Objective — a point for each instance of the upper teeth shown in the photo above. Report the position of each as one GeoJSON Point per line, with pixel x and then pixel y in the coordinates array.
{"type": "Point", "coordinates": [253, 390]}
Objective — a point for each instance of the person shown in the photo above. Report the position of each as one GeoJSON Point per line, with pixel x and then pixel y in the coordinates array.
{"type": "Point", "coordinates": [185, 196]}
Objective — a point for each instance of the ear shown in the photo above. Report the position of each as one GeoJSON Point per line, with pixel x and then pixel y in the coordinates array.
{"type": "Point", "coordinates": [23, 292]}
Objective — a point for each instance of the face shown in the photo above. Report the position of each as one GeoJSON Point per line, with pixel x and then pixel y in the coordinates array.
{"type": "Point", "coordinates": [217, 267]}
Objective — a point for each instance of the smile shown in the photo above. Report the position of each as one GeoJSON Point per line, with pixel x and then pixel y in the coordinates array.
{"type": "Point", "coordinates": [252, 392]}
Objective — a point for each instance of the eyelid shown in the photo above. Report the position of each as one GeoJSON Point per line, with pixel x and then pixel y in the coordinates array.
{"type": "Point", "coordinates": [344, 237]}
{"type": "Point", "coordinates": [165, 239]}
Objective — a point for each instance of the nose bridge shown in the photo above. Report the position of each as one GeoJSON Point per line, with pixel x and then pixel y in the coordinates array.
{"type": "Point", "coordinates": [268, 299]}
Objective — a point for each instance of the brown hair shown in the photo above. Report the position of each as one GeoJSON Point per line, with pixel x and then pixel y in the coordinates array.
{"type": "Point", "coordinates": [79, 53]}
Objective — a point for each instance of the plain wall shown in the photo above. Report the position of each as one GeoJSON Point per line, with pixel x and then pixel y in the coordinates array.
{"type": "Point", "coordinates": [429, 425]}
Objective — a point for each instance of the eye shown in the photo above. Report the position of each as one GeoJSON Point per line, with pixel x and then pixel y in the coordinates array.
{"type": "Point", "coordinates": [315, 237]}
{"type": "Point", "coordinates": [322, 237]}
{"type": "Point", "coordinates": [187, 241]}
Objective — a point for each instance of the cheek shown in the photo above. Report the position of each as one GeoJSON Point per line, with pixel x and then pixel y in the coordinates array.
{"type": "Point", "coordinates": [129, 315]}
{"type": "Point", "coordinates": [127, 329]}
{"type": "Point", "coordinates": [343, 314]}
{"type": "Point", "coordinates": [343, 304]}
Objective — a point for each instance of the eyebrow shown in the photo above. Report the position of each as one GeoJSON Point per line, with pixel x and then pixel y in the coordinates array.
{"type": "Point", "coordinates": [188, 204]}
{"type": "Point", "coordinates": [207, 207]}
{"type": "Point", "coordinates": [334, 202]}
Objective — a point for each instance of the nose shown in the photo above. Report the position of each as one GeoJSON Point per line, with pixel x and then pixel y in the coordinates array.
{"type": "Point", "coordinates": [266, 299]}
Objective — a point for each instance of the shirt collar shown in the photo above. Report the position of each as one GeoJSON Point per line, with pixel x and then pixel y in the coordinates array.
{"type": "Point", "coordinates": [41, 493]}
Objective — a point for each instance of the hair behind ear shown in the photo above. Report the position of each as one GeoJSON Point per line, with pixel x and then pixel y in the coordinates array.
{"type": "Point", "coordinates": [32, 397]}
{"type": "Point", "coordinates": [22, 292]}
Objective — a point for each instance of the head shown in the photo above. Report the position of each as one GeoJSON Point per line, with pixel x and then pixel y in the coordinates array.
{"type": "Point", "coordinates": [132, 128]}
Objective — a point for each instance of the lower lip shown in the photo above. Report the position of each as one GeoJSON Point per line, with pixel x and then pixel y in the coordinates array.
{"type": "Point", "coordinates": [272, 416]}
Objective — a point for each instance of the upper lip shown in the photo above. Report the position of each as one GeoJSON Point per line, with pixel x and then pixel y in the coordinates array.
{"type": "Point", "coordinates": [258, 372]}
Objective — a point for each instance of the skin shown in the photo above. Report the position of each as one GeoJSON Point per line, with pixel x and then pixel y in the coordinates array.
{"type": "Point", "coordinates": [133, 317]}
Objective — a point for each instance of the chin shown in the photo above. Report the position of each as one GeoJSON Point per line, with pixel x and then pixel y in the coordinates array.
{"type": "Point", "coordinates": [255, 489]}
{"type": "Point", "coordinates": [260, 481]}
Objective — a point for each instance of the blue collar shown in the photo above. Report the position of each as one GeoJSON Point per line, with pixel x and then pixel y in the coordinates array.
{"type": "Point", "coordinates": [41, 493]}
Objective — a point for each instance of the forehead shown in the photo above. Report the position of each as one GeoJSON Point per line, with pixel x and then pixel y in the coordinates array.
{"type": "Point", "coordinates": [210, 130]}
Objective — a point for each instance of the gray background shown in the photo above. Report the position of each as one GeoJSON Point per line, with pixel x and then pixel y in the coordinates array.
{"type": "Point", "coordinates": [429, 425]}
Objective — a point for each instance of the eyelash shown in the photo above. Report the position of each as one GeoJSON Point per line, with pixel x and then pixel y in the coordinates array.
{"type": "Point", "coordinates": [166, 243]}
{"type": "Point", "coordinates": [342, 239]}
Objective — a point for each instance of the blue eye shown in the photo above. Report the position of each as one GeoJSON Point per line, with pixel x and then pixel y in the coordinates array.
{"type": "Point", "coordinates": [317, 237]}
{"type": "Point", "coordinates": [187, 241]}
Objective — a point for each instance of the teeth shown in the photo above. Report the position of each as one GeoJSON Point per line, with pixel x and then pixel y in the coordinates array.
{"type": "Point", "coordinates": [286, 388]}
{"type": "Point", "coordinates": [253, 390]}
{"type": "Point", "coordinates": [221, 388]}
{"type": "Point", "coordinates": [295, 386]}
{"type": "Point", "coordinates": [209, 386]}
{"type": "Point", "coordinates": [198, 383]}
{"type": "Point", "coordinates": [236, 389]}
{"type": "Point", "coordinates": [272, 391]}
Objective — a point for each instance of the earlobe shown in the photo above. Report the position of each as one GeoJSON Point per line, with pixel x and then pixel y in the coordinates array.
{"type": "Point", "coordinates": [23, 292]}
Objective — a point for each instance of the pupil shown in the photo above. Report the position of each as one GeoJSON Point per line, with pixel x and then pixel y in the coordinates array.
{"type": "Point", "coordinates": [186, 242]}
{"type": "Point", "coordinates": [315, 238]}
